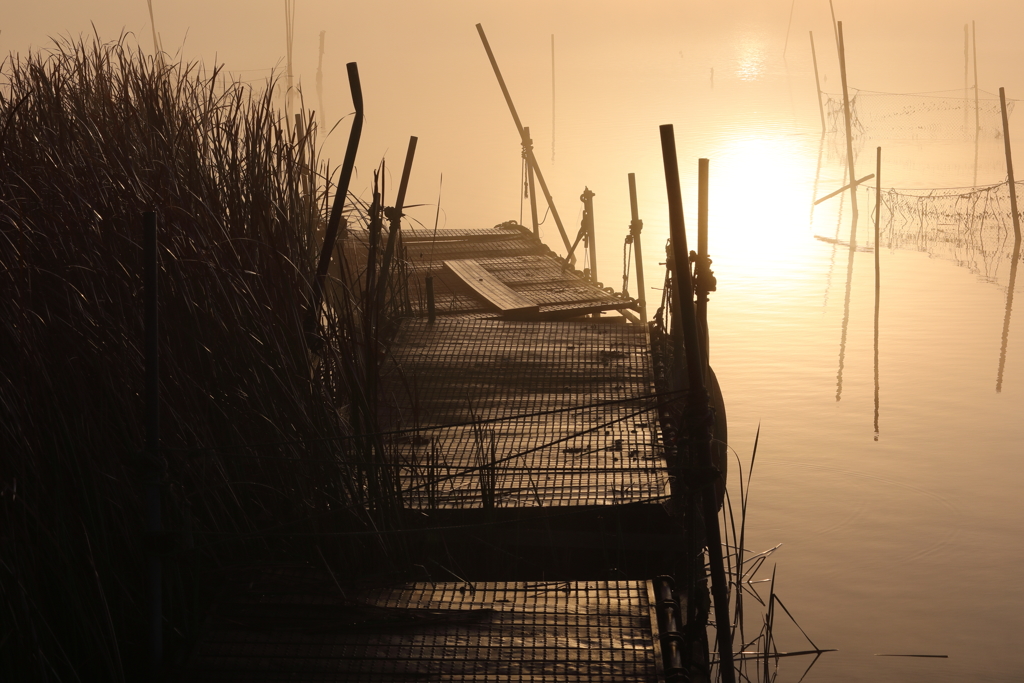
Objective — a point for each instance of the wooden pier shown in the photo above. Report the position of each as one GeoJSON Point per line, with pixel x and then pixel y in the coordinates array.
{"type": "Point", "coordinates": [530, 455]}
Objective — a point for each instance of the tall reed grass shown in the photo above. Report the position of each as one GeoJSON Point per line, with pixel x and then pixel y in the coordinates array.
{"type": "Point", "coordinates": [254, 425]}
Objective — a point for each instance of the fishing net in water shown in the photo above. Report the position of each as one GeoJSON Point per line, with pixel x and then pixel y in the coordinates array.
{"type": "Point", "coordinates": [943, 115]}
{"type": "Point", "coordinates": [972, 226]}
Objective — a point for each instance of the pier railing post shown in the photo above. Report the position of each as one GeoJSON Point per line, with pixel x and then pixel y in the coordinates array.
{"type": "Point", "coordinates": [635, 226]}
{"type": "Point", "coordinates": [527, 151]}
{"type": "Point", "coordinates": [697, 411]}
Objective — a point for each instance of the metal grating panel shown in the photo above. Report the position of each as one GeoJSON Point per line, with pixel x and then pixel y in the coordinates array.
{"type": "Point", "coordinates": [513, 376]}
{"type": "Point", "coordinates": [595, 631]}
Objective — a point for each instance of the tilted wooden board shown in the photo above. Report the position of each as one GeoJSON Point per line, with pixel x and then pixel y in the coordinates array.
{"type": "Point", "coordinates": [491, 288]}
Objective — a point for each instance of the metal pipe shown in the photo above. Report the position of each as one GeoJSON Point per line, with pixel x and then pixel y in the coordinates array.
{"type": "Point", "coordinates": [635, 226]}
{"type": "Point", "coordinates": [531, 159]}
{"type": "Point", "coordinates": [152, 469]}
{"type": "Point", "coordinates": [697, 402]}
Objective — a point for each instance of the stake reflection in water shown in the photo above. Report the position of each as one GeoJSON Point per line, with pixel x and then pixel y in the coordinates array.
{"type": "Point", "coordinates": [846, 305]}
{"type": "Point", "coordinates": [1006, 318]}
{"type": "Point", "coordinates": [878, 269]}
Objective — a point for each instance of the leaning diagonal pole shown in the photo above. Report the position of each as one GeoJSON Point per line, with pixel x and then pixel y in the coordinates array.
{"type": "Point", "coordinates": [531, 159]}
{"type": "Point", "coordinates": [697, 408]}
{"type": "Point", "coordinates": [331, 234]}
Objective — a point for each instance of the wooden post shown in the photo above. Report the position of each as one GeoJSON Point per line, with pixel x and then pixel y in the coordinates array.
{"type": "Point", "coordinates": [1009, 165]}
{"type": "Point", "coordinates": [152, 470]}
{"type": "Point", "coordinates": [635, 226]}
{"type": "Point", "coordinates": [588, 230]}
{"type": "Point", "coordinates": [703, 266]}
{"type": "Point", "coordinates": [817, 83]}
{"type": "Point", "coordinates": [697, 403]}
{"type": "Point", "coordinates": [533, 191]}
{"type": "Point", "coordinates": [531, 159]}
{"type": "Point", "coordinates": [849, 125]}
{"type": "Point", "coordinates": [395, 223]}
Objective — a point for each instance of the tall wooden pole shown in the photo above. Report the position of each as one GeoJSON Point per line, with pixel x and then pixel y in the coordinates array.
{"type": "Point", "coordinates": [635, 226]}
{"type": "Point", "coordinates": [697, 403]}
{"type": "Point", "coordinates": [846, 115]}
{"type": "Point", "coordinates": [152, 470]}
{"type": "Point", "coordinates": [817, 83]}
{"type": "Point", "coordinates": [531, 159]}
{"type": "Point", "coordinates": [703, 265]}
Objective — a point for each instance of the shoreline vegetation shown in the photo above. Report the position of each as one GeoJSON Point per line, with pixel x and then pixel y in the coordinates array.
{"type": "Point", "coordinates": [274, 441]}
{"type": "Point", "coordinates": [257, 455]}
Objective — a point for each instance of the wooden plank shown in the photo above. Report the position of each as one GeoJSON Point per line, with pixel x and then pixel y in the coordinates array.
{"type": "Point", "coordinates": [491, 288]}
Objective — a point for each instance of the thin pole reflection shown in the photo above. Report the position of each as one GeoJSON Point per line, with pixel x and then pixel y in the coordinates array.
{"type": "Point", "coordinates": [1006, 318]}
{"type": "Point", "coordinates": [846, 306]}
{"type": "Point", "coordinates": [878, 271]}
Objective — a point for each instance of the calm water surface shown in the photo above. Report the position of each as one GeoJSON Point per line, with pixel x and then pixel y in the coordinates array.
{"type": "Point", "coordinates": [908, 543]}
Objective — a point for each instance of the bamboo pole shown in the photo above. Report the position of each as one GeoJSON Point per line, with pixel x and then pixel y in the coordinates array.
{"type": "Point", "coordinates": [846, 114]}
{"type": "Point", "coordinates": [817, 83]}
{"type": "Point", "coordinates": [532, 160]}
{"type": "Point", "coordinates": [977, 110]}
{"type": "Point", "coordinates": [552, 98]}
{"type": "Point", "coordinates": [635, 226]}
{"type": "Point", "coordinates": [697, 402]}
{"type": "Point", "coordinates": [530, 186]}
{"type": "Point", "coordinates": [1009, 164]}
{"type": "Point", "coordinates": [152, 469]}
{"type": "Point", "coordinates": [835, 31]}
{"type": "Point", "coordinates": [967, 66]}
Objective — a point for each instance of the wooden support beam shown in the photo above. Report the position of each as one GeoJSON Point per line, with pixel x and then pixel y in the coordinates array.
{"type": "Point", "coordinates": [490, 288]}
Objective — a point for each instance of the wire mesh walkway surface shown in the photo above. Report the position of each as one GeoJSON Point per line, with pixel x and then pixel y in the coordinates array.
{"type": "Point", "coordinates": [514, 257]}
{"type": "Point", "coordinates": [290, 630]}
{"type": "Point", "coordinates": [563, 414]}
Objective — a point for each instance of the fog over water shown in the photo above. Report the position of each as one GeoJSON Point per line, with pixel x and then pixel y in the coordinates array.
{"type": "Point", "coordinates": [908, 544]}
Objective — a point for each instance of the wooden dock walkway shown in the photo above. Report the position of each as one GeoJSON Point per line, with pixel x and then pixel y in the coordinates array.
{"type": "Point", "coordinates": [292, 626]}
{"type": "Point", "coordinates": [532, 461]}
